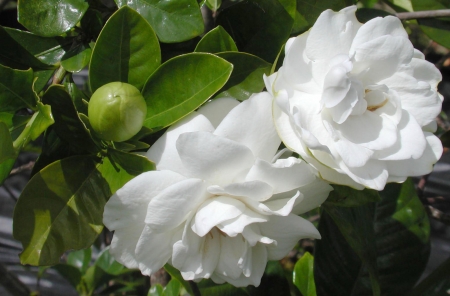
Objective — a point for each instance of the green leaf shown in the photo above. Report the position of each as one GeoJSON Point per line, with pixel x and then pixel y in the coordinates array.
{"type": "Point", "coordinates": [437, 283]}
{"type": "Point", "coordinates": [181, 85]}
{"type": "Point", "coordinates": [273, 282]}
{"type": "Point", "coordinates": [214, 5]}
{"type": "Point", "coordinates": [343, 196]}
{"type": "Point", "coordinates": [42, 77]}
{"type": "Point", "coordinates": [5, 169]}
{"type": "Point", "coordinates": [75, 59]}
{"type": "Point", "coordinates": [311, 10]}
{"type": "Point", "coordinates": [107, 262]}
{"type": "Point", "coordinates": [79, 99]}
{"type": "Point", "coordinates": [304, 275]}
{"type": "Point", "coordinates": [7, 150]}
{"type": "Point", "coordinates": [216, 40]}
{"type": "Point", "coordinates": [366, 14]}
{"type": "Point", "coordinates": [52, 17]}
{"type": "Point", "coordinates": [48, 50]}
{"type": "Point", "coordinates": [127, 50]}
{"type": "Point", "coordinates": [175, 274]}
{"type": "Point", "coordinates": [173, 288]}
{"type": "Point", "coordinates": [14, 55]}
{"type": "Point", "coordinates": [436, 28]}
{"type": "Point", "coordinates": [133, 164]}
{"type": "Point", "coordinates": [401, 232]}
{"type": "Point", "coordinates": [80, 259]}
{"type": "Point", "coordinates": [16, 90]}
{"type": "Point", "coordinates": [247, 76]}
{"type": "Point", "coordinates": [259, 27]}
{"type": "Point", "coordinates": [209, 288]}
{"type": "Point", "coordinates": [61, 208]}
{"type": "Point", "coordinates": [156, 290]}
{"type": "Point", "coordinates": [173, 21]}
{"type": "Point", "coordinates": [38, 123]}
{"type": "Point", "coordinates": [68, 124]}
{"type": "Point", "coordinates": [71, 273]}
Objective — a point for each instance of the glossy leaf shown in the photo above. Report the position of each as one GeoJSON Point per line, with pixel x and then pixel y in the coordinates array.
{"type": "Point", "coordinates": [247, 76]}
{"type": "Point", "coordinates": [68, 124]}
{"type": "Point", "coordinates": [37, 124]}
{"type": "Point", "coordinates": [181, 85]}
{"type": "Point", "coordinates": [42, 77]}
{"type": "Point", "coordinates": [16, 90]}
{"type": "Point", "coordinates": [259, 27]}
{"type": "Point", "coordinates": [173, 21]}
{"type": "Point", "coordinates": [436, 28]}
{"type": "Point", "coordinates": [14, 55]}
{"type": "Point", "coordinates": [52, 17]}
{"type": "Point", "coordinates": [127, 50]}
{"type": "Point", "coordinates": [173, 288]}
{"type": "Point", "coordinates": [75, 59]}
{"type": "Point", "coordinates": [60, 209]}
{"type": "Point", "coordinates": [401, 233]}
{"type": "Point", "coordinates": [80, 259]}
{"type": "Point", "coordinates": [48, 50]}
{"type": "Point", "coordinates": [216, 40]}
{"type": "Point", "coordinates": [304, 275]}
{"type": "Point", "coordinates": [6, 145]}
{"type": "Point", "coordinates": [311, 10]}
{"type": "Point", "coordinates": [344, 196]}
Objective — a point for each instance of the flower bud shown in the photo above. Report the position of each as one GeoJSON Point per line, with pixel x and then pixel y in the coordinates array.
{"type": "Point", "coordinates": [117, 111]}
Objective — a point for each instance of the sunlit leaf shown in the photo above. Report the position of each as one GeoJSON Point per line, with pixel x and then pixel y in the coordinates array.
{"type": "Point", "coordinates": [127, 50]}
{"type": "Point", "coordinates": [60, 209]}
{"type": "Point", "coordinates": [213, 4]}
{"type": "Point", "coordinates": [80, 259]}
{"type": "Point", "coordinates": [52, 17]}
{"type": "Point", "coordinates": [173, 21]}
{"type": "Point", "coordinates": [181, 85]}
{"type": "Point", "coordinates": [304, 275]}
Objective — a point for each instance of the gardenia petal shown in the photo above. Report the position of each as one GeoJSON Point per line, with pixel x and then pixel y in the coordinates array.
{"type": "Point", "coordinates": [208, 212]}
{"type": "Point", "coordinates": [368, 107]}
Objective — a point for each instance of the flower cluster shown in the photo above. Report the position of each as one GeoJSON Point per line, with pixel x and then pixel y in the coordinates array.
{"type": "Point", "coordinates": [356, 101]}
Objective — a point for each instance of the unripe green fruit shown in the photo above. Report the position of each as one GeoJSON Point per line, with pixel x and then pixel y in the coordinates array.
{"type": "Point", "coordinates": [117, 111]}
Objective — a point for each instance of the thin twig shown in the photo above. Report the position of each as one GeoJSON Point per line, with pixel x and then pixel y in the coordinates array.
{"type": "Point", "coordinates": [438, 215]}
{"type": "Point", "coordinates": [25, 167]}
{"type": "Point", "coordinates": [195, 288]}
{"type": "Point", "coordinates": [423, 14]}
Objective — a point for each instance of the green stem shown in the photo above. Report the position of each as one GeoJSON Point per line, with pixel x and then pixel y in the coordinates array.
{"type": "Point", "coordinates": [59, 75]}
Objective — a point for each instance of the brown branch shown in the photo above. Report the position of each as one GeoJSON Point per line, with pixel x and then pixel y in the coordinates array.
{"type": "Point", "coordinates": [438, 215]}
{"type": "Point", "coordinates": [423, 14]}
{"type": "Point", "coordinates": [25, 167]}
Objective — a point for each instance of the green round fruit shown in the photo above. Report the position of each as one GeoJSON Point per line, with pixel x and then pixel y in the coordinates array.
{"type": "Point", "coordinates": [117, 111]}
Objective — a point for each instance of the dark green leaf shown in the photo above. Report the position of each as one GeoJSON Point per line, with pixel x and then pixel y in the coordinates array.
{"type": "Point", "coordinates": [273, 282]}
{"type": "Point", "coordinates": [214, 5]}
{"type": "Point", "coordinates": [304, 275]}
{"type": "Point", "coordinates": [71, 273]}
{"type": "Point", "coordinates": [312, 9]}
{"type": "Point", "coordinates": [127, 50]}
{"type": "Point", "coordinates": [52, 17]}
{"type": "Point", "coordinates": [247, 76]}
{"type": "Point", "coordinates": [175, 274]}
{"type": "Point", "coordinates": [16, 90]}
{"type": "Point", "coordinates": [133, 164]}
{"type": "Point", "coordinates": [436, 28]}
{"type": "Point", "coordinates": [181, 85]}
{"type": "Point", "coordinates": [92, 23]}
{"type": "Point", "coordinates": [401, 233]}
{"type": "Point", "coordinates": [343, 196]}
{"type": "Point", "coordinates": [437, 283]}
{"type": "Point", "coordinates": [259, 27]}
{"type": "Point", "coordinates": [7, 150]}
{"type": "Point", "coordinates": [43, 77]}
{"type": "Point", "coordinates": [80, 259]}
{"type": "Point", "coordinates": [173, 21]}
{"type": "Point", "coordinates": [366, 14]}
{"type": "Point", "coordinates": [5, 169]}
{"type": "Point", "coordinates": [48, 50]}
{"type": "Point", "coordinates": [79, 99]}
{"type": "Point", "coordinates": [216, 40]}
{"type": "Point", "coordinates": [220, 290]}
{"type": "Point", "coordinates": [60, 209]}
{"type": "Point", "coordinates": [68, 124]}
{"type": "Point", "coordinates": [37, 124]}
{"type": "Point", "coordinates": [75, 59]}
{"type": "Point", "coordinates": [14, 55]}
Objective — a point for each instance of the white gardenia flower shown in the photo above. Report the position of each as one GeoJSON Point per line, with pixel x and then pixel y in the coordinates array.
{"type": "Point", "coordinates": [357, 101]}
{"type": "Point", "coordinates": [218, 207]}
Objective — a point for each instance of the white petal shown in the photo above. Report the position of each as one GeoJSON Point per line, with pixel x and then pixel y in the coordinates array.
{"type": "Point", "coordinates": [153, 250]}
{"type": "Point", "coordinates": [235, 226]}
{"type": "Point", "coordinates": [353, 155]}
{"type": "Point", "coordinates": [296, 67]}
{"type": "Point", "coordinates": [123, 245]}
{"type": "Point", "coordinates": [332, 34]}
{"type": "Point", "coordinates": [128, 206]}
{"type": "Point", "coordinates": [216, 110]}
{"type": "Point", "coordinates": [287, 231]}
{"type": "Point", "coordinates": [284, 175]}
{"type": "Point", "coordinates": [256, 190]}
{"type": "Point", "coordinates": [214, 158]}
{"type": "Point", "coordinates": [251, 124]}
{"type": "Point", "coordinates": [314, 194]}
{"type": "Point", "coordinates": [280, 207]}
{"type": "Point", "coordinates": [232, 251]}
{"type": "Point", "coordinates": [215, 211]}
{"type": "Point", "coordinates": [170, 208]}
{"type": "Point", "coordinates": [164, 153]}
{"type": "Point", "coordinates": [373, 175]}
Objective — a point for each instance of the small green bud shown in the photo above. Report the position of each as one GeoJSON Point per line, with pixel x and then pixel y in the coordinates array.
{"type": "Point", "coordinates": [117, 111]}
